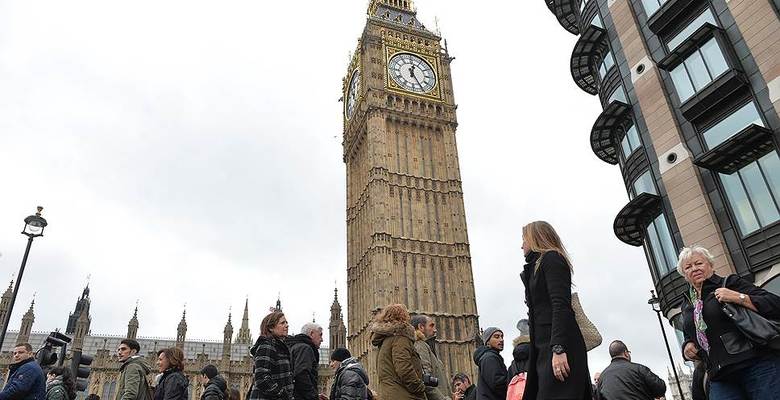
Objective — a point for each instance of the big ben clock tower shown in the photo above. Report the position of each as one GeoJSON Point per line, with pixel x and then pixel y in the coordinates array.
{"type": "Point", "coordinates": [406, 226]}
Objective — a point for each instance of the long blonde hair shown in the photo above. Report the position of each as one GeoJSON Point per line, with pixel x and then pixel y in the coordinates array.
{"type": "Point", "coordinates": [541, 237]}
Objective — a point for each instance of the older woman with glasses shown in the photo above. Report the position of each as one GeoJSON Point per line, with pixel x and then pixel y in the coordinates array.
{"type": "Point", "coordinates": [737, 368]}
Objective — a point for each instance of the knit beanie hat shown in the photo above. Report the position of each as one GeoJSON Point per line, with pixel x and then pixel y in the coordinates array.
{"type": "Point", "coordinates": [487, 333]}
{"type": "Point", "coordinates": [340, 354]}
{"type": "Point", "coordinates": [210, 371]}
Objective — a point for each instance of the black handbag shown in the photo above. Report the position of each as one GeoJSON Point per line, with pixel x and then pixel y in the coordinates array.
{"type": "Point", "coordinates": [759, 330]}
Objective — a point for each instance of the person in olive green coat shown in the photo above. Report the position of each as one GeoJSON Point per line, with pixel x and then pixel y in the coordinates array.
{"type": "Point", "coordinates": [132, 384]}
{"type": "Point", "coordinates": [398, 366]}
{"type": "Point", "coordinates": [60, 384]}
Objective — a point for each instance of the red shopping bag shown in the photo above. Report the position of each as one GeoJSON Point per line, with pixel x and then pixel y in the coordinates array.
{"type": "Point", "coordinates": [516, 387]}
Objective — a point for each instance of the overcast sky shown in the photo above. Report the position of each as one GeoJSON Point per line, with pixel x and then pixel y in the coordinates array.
{"type": "Point", "coordinates": [190, 152]}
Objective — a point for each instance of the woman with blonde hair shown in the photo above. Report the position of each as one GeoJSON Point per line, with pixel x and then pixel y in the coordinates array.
{"type": "Point", "coordinates": [736, 367]}
{"type": "Point", "coordinates": [558, 360]}
{"type": "Point", "coordinates": [398, 365]}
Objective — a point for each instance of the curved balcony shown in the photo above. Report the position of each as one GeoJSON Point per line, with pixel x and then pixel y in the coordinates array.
{"type": "Point", "coordinates": [589, 12]}
{"type": "Point", "coordinates": [587, 55]}
{"type": "Point", "coordinates": [609, 84]}
{"type": "Point", "coordinates": [608, 131]}
{"type": "Point", "coordinates": [567, 12]}
{"type": "Point", "coordinates": [632, 220]}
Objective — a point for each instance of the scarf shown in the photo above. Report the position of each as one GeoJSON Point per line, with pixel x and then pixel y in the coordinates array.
{"type": "Point", "coordinates": [698, 320]}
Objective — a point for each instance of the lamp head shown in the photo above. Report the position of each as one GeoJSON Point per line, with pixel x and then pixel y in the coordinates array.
{"type": "Point", "coordinates": [34, 224]}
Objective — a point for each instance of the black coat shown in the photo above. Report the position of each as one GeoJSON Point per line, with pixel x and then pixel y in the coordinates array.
{"type": "Point", "coordinates": [730, 350]}
{"type": "Point", "coordinates": [305, 358]}
{"type": "Point", "coordinates": [273, 378]}
{"type": "Point", "coordinates": [173, 385]}
{"type": "Point", "coordinates": [551, 322]}
{"type": "Point", "coordinates": [624, 380]}
{"type": "Point", "coordinates": [470, 393]}
{"type": "Point", "coordinates": [519, 361]}
{"type": "Point", "coordinates": [216, 389]}
{"type": "Point", "coordinates": [492, 383]}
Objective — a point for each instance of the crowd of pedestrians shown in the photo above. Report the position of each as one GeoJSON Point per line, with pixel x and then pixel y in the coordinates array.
{"type": "Point", "coordinates": [550, 362]}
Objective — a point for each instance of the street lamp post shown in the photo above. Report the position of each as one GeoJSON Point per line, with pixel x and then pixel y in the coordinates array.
{"type": "Point", "coordinates": [33, 228]}
{"type": "Point", "coordinates": [655, 303]}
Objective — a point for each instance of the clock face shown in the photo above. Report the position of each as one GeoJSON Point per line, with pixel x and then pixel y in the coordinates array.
{"type": "Point", "coordinates": [352, 94]}
{"type": "Point", "coordinates": [412, 73]}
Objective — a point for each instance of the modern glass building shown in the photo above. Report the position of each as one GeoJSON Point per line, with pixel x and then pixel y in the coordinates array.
{"type": "Point", "coordinates": [690, 91]}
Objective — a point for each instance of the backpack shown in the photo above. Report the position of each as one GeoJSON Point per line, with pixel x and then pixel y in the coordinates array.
{"type": "Point", "coordinates": [516, 387]}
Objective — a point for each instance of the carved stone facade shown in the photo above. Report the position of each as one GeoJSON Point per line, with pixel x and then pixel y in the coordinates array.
{"type": "Point", "coordinates": [231, 355]}
{"type": "Point", "coordinates": [406, 226]}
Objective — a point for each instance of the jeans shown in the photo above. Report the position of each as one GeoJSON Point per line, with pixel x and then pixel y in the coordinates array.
{"type": "Point", "coordinates": [760, 381]}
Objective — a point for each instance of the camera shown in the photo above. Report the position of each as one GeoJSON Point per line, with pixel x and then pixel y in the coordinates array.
{"type": "Point", "coordinates": [430, 380]}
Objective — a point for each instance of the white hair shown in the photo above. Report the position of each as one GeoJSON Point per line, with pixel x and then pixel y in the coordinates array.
{"type": "Point", "coordinates": [310, 327]}
{"type": "Point", "coordinates": [688, 252]}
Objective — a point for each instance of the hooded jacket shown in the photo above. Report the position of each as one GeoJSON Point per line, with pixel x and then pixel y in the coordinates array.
{"type": "Point", "coordinates": [305, 358]}
{"type": "Point", "coordinates": [132, 383]}
{"type": "Point", "coordinates": [273, 378]}
{"type": "Point", "coordinates": [25, 382]}
{"type": "Point", "coordinates": [492, 382]}
{"type": "Point", "coordinates": [398, 366]}
{"type": "Point", "coordinates": [216, 389]}
{"type": "Point", "coordinates": [173, 385]}
{"type": "Point", "coordinates": [432, 365]}
{"type": "Point", "coordinates": [350, 381]}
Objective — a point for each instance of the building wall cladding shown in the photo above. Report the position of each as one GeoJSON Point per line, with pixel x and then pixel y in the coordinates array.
{"type": "Point", "coordinates": [694, 199]}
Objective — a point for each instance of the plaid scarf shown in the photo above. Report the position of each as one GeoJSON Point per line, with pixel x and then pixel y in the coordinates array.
{"type": "Point", "coordinates": [698, 320]}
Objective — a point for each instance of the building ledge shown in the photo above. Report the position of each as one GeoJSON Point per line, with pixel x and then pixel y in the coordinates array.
{"type": "Point", "coordinates": [738, 151]}
{"type": "Point", "coordinates": [567, 12]}
{"type": "Point", "coordinates": [588, 53]}
{"type": "Point", "coordinates": [608, 130]}
{"type": "Point", "coordinates": [632, 220]}
{"type": "Point", "coordinates": [731, 83]}
{"type": "Point", "coordinates": [670, 12]}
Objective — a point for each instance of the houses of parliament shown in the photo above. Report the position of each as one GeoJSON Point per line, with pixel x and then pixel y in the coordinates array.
{"type": "Point", "coordinates": [231, 355]}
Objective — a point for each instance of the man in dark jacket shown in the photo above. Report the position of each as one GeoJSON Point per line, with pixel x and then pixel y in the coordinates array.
{"type": "Point", "coordinates": [624, 380]}
{"type": "Point", "coordinates": [305, 357]}
{"type": "Point", "coordinates": [215, 384]}
{"type": "Point", "coordinates": [350, 381]}
{"type": "Point", "coordinates": [26, 380]}
{"type": "Point", "coordinates": [492, 383]}
{"type": "Point", "coordinates": [464, 390]}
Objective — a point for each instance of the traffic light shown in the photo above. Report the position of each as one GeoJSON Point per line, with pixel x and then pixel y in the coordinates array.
{"type": "Point", "coordinates": [80, 365]}
{"type": "Point", "coordinates": [46, 356]}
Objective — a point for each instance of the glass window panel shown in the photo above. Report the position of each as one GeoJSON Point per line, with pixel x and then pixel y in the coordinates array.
{"type": "Point", "coordinates": [697, 71]}
{"type": "Point", "coordinates": [732, 125]}
{"type": "Point", "coordinates": [597, 21]}
{"type": "Point", "coordinates": [713, 56]}
{"type": "Point", "coordinates": [739, 203]}
{"type": "Point", "coordinates": [619, 94]}
{"type": "Point", "coordinates": [651, 6]}
{"type": "Point", "coordinates": [655, 249]}
{"type": "Point", "coordinates": [665, 234]}
{"type": "Point", "coordinates": [706, 16]}
{"type": "Point", "coordinates": [758, 191]}
{"type": "Point", "coordinates": [645, 184]}
{"type": "Point", "coordinates": [609, 62]}
{"type": "Point", "coordinates": [770, 166]}
{"type": "Point", "coordinates": [633, 137]}
{"type": "Point", "coordinates": [682, 83]}
{"type": "Point", "coordinates": [626, 147]}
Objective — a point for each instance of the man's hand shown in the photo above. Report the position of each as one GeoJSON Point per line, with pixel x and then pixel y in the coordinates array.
{"type": "Point", "coordinates": [690, 351]}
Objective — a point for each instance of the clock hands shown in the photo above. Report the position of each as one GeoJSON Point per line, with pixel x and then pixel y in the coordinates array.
{"type": "Point", "coordinates": [411, 72]}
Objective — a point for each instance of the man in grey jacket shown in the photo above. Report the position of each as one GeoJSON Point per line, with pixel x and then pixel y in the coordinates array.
{"type": "Point", "coordinates": [425, 329]}
{"type": "Point", "coordinates": [625, 380]}
{"type": "Point", "coordinates": [350, 382]}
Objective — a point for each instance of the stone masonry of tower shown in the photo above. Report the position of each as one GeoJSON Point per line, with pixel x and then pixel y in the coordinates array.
{"type": "Point", "coordinates": [406, 226]}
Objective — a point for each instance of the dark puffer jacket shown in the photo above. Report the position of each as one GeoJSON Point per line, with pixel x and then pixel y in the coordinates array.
{"type": "Point", "coordinates": [273, 378]}
{"type": "Point", "coordinates": [25, 382]}
{"type": "Point", "coordinates": [305, 358]}
{"type": "Point", "coordinates": [173, 385]}
{"type": "Point", "coordinates": [624, 380]}
{"type": "Point", "coordinates": [350, 381]}
{"type": "Point", "coordinates": [55, 390]}
{"type": "Point", "coordinates": [216, 389]}
{"type": "Point", "coordinates": [519, 360]}
{"type": "Point", "coordinates": [492, 383]}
